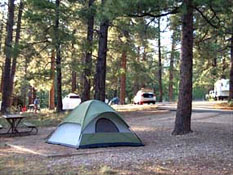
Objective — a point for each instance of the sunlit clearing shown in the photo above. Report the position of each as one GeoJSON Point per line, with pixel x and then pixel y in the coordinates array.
{"type": "Point", "coordinates": [147, 129]}
{"type": "Point", "coordinates": [131, 107]}
{"type": "Point", "coordinates": [21, 149]}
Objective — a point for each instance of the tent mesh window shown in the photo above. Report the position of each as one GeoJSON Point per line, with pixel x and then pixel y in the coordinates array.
{"type": "Point", "coordinates": [105, 125]}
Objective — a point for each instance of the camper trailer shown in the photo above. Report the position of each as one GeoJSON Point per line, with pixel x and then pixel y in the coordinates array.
{"type": "Point", "coordinates": [221, 89]}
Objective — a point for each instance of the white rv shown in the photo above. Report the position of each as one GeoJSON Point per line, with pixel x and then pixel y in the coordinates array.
{"type": "Point", "coordinates": [71, 101]}
{"type": "Point", "coordinates": [221, 89]}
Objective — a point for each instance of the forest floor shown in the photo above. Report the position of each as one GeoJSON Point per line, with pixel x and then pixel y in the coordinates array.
{"type": "Point", "coordinates": [208, 150]}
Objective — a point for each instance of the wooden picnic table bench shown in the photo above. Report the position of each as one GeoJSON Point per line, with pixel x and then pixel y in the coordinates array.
{"type": "Point", "coordinates": [14, 121]}
{"type": "Point", "coordinates": [31, 126]}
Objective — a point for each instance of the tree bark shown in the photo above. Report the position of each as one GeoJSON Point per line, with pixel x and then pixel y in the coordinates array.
{"type": "Point", "coordinates": [143, 84]}
{"type": "Point", "coordinates": [74, 82]}
{"type": "Point", "coordinates": [1, 34]}
{"type": "Point", "coordinates": [123, 78]}
{"type": "Point", "coordinates": [184, 107]}
{"type": "Point", "coordinates": [171, 69]}
{"type": "Point", "coordinates": [8, 52]}
{"type": "Point", "coordinates": [136, 82]}
{"type": "Point", "coordinates": [52, 77]}
{"type": "Point", "coordinates": [58, 60]}
{"type": "Point", "coordinates": [74, 74]}
{"type": "Point", "coordinates": [224, 66]}
{"type": "Point", "coordinates": [231, 72]}
{"type": "Point", "coordinates": [31, 95]}
{"type": "Point", "coordinates": [100, 75]}
{"type": "Point", "coordinates": [88, 58]}
{"type": "Point", "coordinates": [214, 67]}
{"type": "Point", "coordinates": [25, 87]}
{"type": "Point", "coordinates": [16, 51]}
{"type": "Point", "coordinates": [144, 54]}
{"type": "Point", "coordinates": [160, 66]}
{"type": "Point", "coordinates": [2, 77]}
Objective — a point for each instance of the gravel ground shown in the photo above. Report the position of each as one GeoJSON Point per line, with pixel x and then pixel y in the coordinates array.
{"type": "Point", "coordinates": [208, 150]}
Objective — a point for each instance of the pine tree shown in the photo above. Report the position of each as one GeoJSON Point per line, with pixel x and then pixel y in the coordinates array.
{"type": "Point", "coordinates": [184, 107]}
{"type": "Point", "coordinates": [16, 50]}
{"type": "Point", "coordinates": [8, 51]}
{"type": "Point", "coordinates": [88, 53]}
{"type": "Point", "coordinates": [100, 76]}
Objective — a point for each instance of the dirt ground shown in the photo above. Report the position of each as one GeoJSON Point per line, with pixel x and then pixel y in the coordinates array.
{"type": "Point", "coordinates": [208, 150]}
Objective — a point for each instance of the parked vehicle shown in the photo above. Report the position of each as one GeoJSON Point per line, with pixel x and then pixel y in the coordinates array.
{"type": "Point", "coordinates": [210, 95]}
{"type": "Point", "coordinates": [144, 96]}
{"type": "Point", "coordinates": [221, 90]}
{"type": "Point", "coordinates": [71, 101]}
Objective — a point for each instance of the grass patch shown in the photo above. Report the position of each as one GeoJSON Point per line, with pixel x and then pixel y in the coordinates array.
{"type": "Point", "coordinates": [133, 108]}
{"type": "Point", "coordinates": [41, 119]}
{"type": "Point", "coordinates": [106, 170]}
{"type": "Point", "coordinates": [224, 105]}
{"type": "Point", "coordinates": [3, 145]}
{"type": "Point", "coordinates": [48, 118]}
{"type": "Point", "coordinates": [230, 103]}
{"type": "Point", "coordinates": [45, 119]}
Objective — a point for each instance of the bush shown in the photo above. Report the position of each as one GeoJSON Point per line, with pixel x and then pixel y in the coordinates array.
{"type": "Point", "coordinates": [230, 103]}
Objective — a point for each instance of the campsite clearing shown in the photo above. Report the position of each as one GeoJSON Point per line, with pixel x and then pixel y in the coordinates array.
{"type": "Point", "coordinates": [208, 150]}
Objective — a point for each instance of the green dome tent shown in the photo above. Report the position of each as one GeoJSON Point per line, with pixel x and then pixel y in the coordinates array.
{"type": "Point", "coordinates": [94, 124]}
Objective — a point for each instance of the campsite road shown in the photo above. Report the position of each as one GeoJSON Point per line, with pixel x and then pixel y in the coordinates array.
{"type": "Point", "coordinates": [198, 106]}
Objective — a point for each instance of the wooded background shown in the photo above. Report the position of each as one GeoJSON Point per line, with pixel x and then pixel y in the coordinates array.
{"type": "Point", "coordinates": [106, 48]}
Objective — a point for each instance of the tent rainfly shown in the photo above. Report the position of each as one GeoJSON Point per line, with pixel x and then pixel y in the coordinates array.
{"type": "Point", "coordinates": [94, 124]}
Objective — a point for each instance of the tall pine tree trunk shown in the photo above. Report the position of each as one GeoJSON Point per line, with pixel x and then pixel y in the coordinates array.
{"type": "Point", "coordinates": [171, 69]}
{"type": "Point", "coordinates": [184, 107]}
{"type": "Point", "coordinates": [58, 59]}
{"type": "Point", "coordinates": [52, 77]}
{"type": "Point", "coordinates": [123, 78]}
{"type": "Point", "coordinates": [8, 52]}
{"type": "Point", "coordinates": [25, 87]}
{"type": "Point", "coordinates": [31, 95]}
{"type": "Point", "coordinates": [73, 82]}
{"type": "Point", "coordinates": [1, 34]}
{"type": "Point", "coordinates": [16, 52]}
{"type": "Point", "coordinates": [100, 75]}
{"type": "Point", "coordinates": [231, 72]}
{"type": "Point", "coordinates": [160, 66]}
{"type": "Point", "coordinates": [88, 58]}
{"type": "Point", "coordinates": [224, 67]}
{"type": "Point", "coordinates": [2, 77]}
{"type": "Point", "coordinates": [214, 66]}
{"type": "Point", "coordinates": [136, 82]}
{"type": "Point", "coordinates": [142, 83]}
{"type": "Point", "coordinates": [74, 74]}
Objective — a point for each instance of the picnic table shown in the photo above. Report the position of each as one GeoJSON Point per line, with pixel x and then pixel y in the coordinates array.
{"type": "Point", "coordinates": [14, 120]}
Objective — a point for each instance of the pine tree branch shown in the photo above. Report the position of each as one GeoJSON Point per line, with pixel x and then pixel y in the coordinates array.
{"type": "Point", "coordinates": [143, 14]}
{"type": "Point", "coordinates": [206, 18]}
{"type": "Point", "coordinates": [215, 14]}
{"type": "Point", "coordinates": [39, 42]}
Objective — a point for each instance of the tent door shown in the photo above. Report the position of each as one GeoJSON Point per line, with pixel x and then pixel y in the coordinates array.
{"type": "Point", "coordinates": [105, 125]}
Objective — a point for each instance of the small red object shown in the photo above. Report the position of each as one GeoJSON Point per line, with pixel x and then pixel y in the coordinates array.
{"type": "Point", "coordinates": [24, 109]}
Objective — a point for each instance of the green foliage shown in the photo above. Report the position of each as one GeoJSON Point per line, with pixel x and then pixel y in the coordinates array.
{"type": "Point", "coordinates": [133, 29]}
